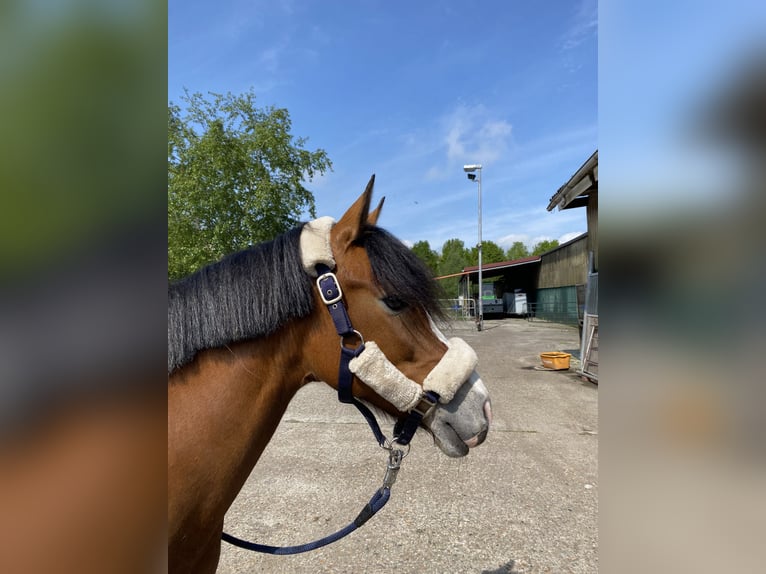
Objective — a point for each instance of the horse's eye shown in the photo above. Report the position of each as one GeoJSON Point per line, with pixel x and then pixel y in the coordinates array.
{"type": "Point", "coordinates": [394, 303]}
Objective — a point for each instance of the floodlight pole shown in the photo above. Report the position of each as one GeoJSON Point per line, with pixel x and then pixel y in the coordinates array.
{"type": "Point", "coordinates": [480, 324]}
{"type": "Point", "coordinates": [469, 169]}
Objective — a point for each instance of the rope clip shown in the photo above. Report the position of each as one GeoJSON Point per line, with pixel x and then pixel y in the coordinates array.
{"type": "Point", "coordinates": [392, 468]}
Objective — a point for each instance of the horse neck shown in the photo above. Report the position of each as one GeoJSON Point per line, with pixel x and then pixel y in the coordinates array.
{"type": "Point", "coordinates": [222, 411]}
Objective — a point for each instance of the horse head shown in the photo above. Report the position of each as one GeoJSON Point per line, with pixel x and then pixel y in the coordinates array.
{"type": "Point", "coordinates": [390, 298]}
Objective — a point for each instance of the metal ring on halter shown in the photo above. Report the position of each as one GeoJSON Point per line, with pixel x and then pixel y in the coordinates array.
{"type": "Point", "coordinates": [343, 340]}
{"type": "Point", "coordinates": [389, 445]}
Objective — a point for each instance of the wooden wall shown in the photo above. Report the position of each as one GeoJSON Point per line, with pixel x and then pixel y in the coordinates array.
{"type": "Point", "coordinates": [592, 215]}
{"type": "Point", "coordinates": [565, 266]}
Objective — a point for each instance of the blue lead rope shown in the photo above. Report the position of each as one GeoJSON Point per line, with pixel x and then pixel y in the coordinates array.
{"type": "Point", "coordinates": [377, 502]}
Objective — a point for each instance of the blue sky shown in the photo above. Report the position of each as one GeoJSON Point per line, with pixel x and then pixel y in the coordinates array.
{"type": "Point", "coordinates": [412, 92]}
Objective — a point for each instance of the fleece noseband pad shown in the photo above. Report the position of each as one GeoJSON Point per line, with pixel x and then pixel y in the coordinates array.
{"type": "Point", "coordinates": [315, 245]}
{"type": "Point", "coordinates": [381, 375]}
{"type": "Point", "coordinates": [452, 371]}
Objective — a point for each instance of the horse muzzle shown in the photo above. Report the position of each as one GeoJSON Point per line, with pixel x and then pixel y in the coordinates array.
{"type": "Point", "coordinates": [479, 438]}
{"type": "Point", "coordinates": [464, 422]}
{"type": "Point", "coordinates": [461, 418]}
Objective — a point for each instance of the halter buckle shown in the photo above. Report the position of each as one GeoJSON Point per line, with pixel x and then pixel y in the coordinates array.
{"type": "Point", "coordinates": [426, 403]}
{"type": "Point", "coordinates": [330, 292]}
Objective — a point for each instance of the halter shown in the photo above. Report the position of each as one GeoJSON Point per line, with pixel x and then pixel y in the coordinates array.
{"type": "Point", "coordinates": [370, 365]}
{"type": "Point", "coordinates": [332, 297]}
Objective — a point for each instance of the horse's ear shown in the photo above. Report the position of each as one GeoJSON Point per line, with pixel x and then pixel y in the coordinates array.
{"type": "Point", "coordinates": [372, 219]}
{"type": "Point", "coordinates": [350, 225]}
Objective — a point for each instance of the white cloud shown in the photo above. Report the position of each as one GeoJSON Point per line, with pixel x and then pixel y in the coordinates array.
{"type": "Point", "coordinates": [454, 139]}
{"type": "Point", "coordinates": [507, 240]}
{"type": "Point", "coordinates": [470, 135]}
{"type": "Point", "coordinates": [434, 173]}
{"type": "Point", "coordinates": [538, 239]}
{"type": "Point", "coordinates": [473, 135]}
{"type": "Point", "coordinates": [584, 24]}
{"type": "Point", "coordinates": [271, 58]}
{"type": "Point", "coordinates": [569, 236]}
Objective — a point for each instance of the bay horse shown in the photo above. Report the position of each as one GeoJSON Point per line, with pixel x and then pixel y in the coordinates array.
{"type": "Point", "coordinates": [246, 333]}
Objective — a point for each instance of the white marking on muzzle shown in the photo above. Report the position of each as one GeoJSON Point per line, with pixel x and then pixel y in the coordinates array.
{"type": "Point", "coordinates": [381, 375]}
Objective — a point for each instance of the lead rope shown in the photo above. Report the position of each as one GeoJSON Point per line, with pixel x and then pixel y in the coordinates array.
{"type": "Point", "coordinates": [378, 501]}
{"type": "Point", "coordinates": [332, 297]}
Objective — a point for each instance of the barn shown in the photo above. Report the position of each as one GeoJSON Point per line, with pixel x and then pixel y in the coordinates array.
{"type": "Point", "coordinates": [581, 191]}
{"type": "Point", "coordinates": [560, 285]}
{"type": "Point", "coordinates": [501, 281]}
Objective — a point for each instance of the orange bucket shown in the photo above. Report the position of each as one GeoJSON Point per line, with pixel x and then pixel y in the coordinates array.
{"type": "Point", "coordinates": [556, 361]}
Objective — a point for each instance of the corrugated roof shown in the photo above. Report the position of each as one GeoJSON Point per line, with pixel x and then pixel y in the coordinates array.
{"type": "Point", "coordinates": [502, 264]}
{"type": "Point", "coordinates": [582, 183]}
{"type": "Point", "coordinates": [493, 266]}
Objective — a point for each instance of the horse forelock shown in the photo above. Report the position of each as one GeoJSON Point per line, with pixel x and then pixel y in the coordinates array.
{"type": "Point", "coordinates": [400, 272]}
{"type": "Point", "coordinates": [246, 295]}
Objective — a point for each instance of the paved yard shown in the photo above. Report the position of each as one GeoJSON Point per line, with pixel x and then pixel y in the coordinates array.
{"type": "Point", "coordinates": [525, 501]}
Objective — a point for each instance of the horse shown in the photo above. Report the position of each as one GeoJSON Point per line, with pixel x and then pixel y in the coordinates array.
{"type": "Point", "coordinates": [246, 333]}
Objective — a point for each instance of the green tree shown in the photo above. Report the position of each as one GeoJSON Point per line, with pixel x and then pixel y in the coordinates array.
{"type": "Point", "coordinates": [491, 252]}
{"type": "Point", "coordinates": [453, 259]}
{"type": "Point", "coordinates": [544, 245]}
{"type": "Point", "coordinates": [235, 177]}
{"type": "Point", "coordinates": [427, 255]}
{"type": "Point", "coordinates": [517, 251]}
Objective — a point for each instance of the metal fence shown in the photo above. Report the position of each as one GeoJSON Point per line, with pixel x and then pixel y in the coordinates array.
{"type": "Point", "coordinates": [555, 312]}
{"type": "Point", "coordinates": [459, 309]}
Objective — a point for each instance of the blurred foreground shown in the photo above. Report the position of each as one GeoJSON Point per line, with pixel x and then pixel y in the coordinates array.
{"type": "Point", "coordinates": [682, 404]}
{"type": "Point", "coordinates": [82, 287]}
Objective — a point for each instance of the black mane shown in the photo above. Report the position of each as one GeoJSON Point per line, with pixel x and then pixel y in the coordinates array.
{"type": "Point", "coordinates": [252, 293]}
{"type": "Point", "coordinates": [246, 295]}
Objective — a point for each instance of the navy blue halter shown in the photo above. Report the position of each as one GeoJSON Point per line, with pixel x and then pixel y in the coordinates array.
{"type": "Point", "coordinates": [332, 297]}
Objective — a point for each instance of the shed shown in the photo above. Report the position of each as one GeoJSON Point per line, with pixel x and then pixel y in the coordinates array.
{"type": "Point", "coordinates": [582, 191]}
{"type": "Point", "coordinates": [505, 277]}
{"type": "Point", "coordinates": [561, 283]}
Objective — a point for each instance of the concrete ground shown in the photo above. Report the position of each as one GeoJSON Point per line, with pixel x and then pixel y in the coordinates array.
{"type": "Point", "coordinates": [525, 501]}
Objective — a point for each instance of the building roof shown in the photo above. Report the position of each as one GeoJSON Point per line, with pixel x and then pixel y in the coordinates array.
{"type": "Point", "coordinates": [580, 237]}
{"type": "Point", "coordinates": [502, 264]}
{"type": "Point", "coordinates": [493, 266]}
{"type": "Point", "coordinates": [575, 192]}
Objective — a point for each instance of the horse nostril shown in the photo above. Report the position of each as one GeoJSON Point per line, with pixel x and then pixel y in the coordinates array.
{"type": "Point", "coordinates": [478, 439]}
{"type": "Point", "coordinates": [488, 412]}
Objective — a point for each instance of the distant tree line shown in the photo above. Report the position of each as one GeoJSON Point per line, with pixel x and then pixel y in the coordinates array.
{"type": "Point", "coordinates": [455, 256]}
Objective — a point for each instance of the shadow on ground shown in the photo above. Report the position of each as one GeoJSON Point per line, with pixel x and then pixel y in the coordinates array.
{"type": "Point", "coordinates": [507, 568]}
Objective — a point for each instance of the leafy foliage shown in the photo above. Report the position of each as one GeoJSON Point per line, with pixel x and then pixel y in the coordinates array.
{"type": "Point", "coordinates": [423, 250]}
{"type": "Point", "coordinates": [454, 258]}
{"type": "Point", "coordinates": [235, 177]}
{"type": "Point", "coordinates": [544, 245]}
{"type": "Point", "coordinates": [517, 251]}
{"type": "Point", "coordinates": [491, 252]}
